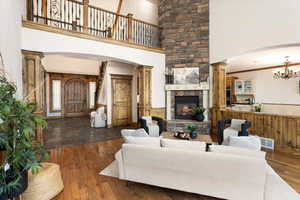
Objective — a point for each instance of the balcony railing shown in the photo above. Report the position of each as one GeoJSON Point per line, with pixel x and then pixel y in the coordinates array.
{"type": "Point", "coordinates": [80, 17]}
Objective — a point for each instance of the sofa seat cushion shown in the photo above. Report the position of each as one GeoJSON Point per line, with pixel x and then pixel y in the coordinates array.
{"type": "Point", "coordinates": [238, 151]}
{"type": "Point", "coordinates": [183, 144]}
{"type": "Point", "coordinates": [248, 142]}
{"type": "Point", "coordinates": [145, 141]}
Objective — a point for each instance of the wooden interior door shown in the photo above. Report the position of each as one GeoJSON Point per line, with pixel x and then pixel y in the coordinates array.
{"type": "Point", "coordinates": [122, 100]}
{"type": "Point", "coordinates": [75, 95]}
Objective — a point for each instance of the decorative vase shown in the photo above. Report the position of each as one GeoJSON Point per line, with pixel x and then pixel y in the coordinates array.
{"type": "Point", "coordinates": [193, 135]}
{"type": "Point", "coordinates": [23, 182]}
{"type": "Point", "coordinates": [200, 117]}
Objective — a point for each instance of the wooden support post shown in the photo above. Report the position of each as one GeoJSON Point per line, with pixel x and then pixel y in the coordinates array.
{"type": "Point", "coordinates": [30, 10]}
{"type": "Point", "coordinates": [44, 10]}
{"type": "Point", "coordinates": [219, 85]}
{"type": "Point", "coordinates": [130, 28]}
{"type": "Point", "coordinates": [85, 16]}
{"type": "Point", "coordinates": [145, 81]}
{"type": "Point", "coordinates": [34, 83]}
{"type": "Point", "coordinates": [117, 19]}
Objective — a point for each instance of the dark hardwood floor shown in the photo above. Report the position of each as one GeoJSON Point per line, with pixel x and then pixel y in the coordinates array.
{"type": "Point", "coordinates": [81, 164]}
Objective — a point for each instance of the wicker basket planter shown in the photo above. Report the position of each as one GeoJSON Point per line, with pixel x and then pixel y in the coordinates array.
{"type": "Point", "coordinates": [45, 185]}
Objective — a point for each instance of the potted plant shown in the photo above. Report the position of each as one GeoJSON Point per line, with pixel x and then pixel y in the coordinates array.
{"type": "Point", "coordinates": [200, 114]}
{"type": "Point", "coordinates": [257, 107]}
{"type": "Point", "coordinates": [193, 132]}
{"type": "Point", "coordinates": [20, 151]}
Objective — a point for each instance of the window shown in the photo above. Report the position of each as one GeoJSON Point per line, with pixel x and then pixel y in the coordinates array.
{"type": "Point", "coordinates": [92, 91]}
{"type": "Point", "coordinates": [56, 95]}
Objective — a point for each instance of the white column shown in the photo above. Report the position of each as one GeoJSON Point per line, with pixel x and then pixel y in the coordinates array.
{"type": "Point", "coordinates": [205, 103]}
{"type": "Point", "coordinates": [168, 105]}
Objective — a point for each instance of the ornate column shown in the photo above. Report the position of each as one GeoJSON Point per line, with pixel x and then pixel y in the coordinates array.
{"type": "Point", "coordinates": [145, 80]}
{"type": "Point", "coordinates": [205, 98]}
{"type": "Point", "coordinates": [219, 85]}
{"type": "Point", "coordinates": [34, 83]}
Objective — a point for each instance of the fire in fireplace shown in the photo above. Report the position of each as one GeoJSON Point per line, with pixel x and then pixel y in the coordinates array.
{"type": "Point", "coordinates": [184, 107]}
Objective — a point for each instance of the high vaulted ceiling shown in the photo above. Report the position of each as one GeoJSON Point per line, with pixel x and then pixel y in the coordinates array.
{"type": "Point", "coordinates": [264, 58]}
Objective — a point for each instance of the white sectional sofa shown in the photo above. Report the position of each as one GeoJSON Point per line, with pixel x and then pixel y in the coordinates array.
{"type": "Point", "coordinates": [226, 172]}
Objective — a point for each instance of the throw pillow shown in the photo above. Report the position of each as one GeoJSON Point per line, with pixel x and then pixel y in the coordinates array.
{"type": "Point", "coordinates": [238, 151]}
{"type": "Point", "coordinates": [237, 124]}
{"type": "Point", "coordinates": [183, 144]}
{"type": "Point", "coordinates": [248, 142]}
{"type": "Point", "coordinates": [146, 141]}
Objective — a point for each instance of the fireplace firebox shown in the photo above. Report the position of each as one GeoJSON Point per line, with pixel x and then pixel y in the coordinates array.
{"type": "Point", "coordinates": [184, 107]}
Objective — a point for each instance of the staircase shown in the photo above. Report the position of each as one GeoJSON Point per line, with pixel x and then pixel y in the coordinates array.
{"type": "Point", "coordinates": [99, 85]}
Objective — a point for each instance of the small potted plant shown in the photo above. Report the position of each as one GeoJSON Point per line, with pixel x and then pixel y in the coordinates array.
{"type": "Point", "coordinates": [193, 132]}
{"type": "Point", "coordinates": [257, 107]}
{"type": "Point", "coordinates": [20, 151]}
{"type": "Point", "coordinates": [200, 114]}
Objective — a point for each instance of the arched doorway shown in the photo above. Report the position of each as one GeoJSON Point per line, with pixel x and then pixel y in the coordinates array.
{"type": "Point", "coordinates": [76, 94]}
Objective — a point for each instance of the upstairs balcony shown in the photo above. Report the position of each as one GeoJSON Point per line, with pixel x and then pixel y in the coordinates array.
{"type": "Point", "coordinates": [71, 16]}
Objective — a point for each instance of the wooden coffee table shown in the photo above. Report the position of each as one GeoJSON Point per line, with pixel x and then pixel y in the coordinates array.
{"type": "Point", "coordinates": [201, 138]}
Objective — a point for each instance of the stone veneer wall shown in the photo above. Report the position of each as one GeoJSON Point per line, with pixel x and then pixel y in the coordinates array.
{"type": "Point", "coordinates": [184, 93]}
{"type": "Point", "coordinates": [185, 34]}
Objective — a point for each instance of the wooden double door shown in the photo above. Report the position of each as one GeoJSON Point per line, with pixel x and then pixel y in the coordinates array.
{"type": "Point", "coordinates": [121, 100]}
{"type": "Point", "coordinates": [76, 97]}
{"type": "Point", "coordinates": [75, 93]}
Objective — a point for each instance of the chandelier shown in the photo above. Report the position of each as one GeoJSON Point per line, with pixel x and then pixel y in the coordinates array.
{"type": "Point", "coordinates": [286, 73]}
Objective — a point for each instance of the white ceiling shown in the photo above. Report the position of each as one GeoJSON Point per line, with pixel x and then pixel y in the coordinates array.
{"type": "Point", "coordinates": [264, 58]}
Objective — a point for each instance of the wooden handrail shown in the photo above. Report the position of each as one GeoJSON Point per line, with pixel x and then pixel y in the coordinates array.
{"type": "Point", "coordinates": [82, 17]}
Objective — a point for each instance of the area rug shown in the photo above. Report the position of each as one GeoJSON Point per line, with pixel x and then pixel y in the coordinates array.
{"type": "Point", "coordinates": [111, 170]}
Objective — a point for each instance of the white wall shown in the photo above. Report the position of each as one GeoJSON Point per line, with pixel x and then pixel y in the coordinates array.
{"type": "Point", "coordinates": [146, 10]}
{"type": "Point", "coordinates": [121, 69]}
{"type": "Point", "coordinates": [239, 26]}
{"type": "Point", "coordinates": [71, 65]}
{"type": "Point", "coordinates": [10, 43]}
{"type": "Point", "coordinates": [269, 90]}
{"type": "Point", "coordinates": [47, 42]}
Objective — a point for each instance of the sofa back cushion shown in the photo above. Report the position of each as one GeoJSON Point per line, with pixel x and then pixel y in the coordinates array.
{"type": "Point", "coordinates": [183, 144]}
{"type": "Point", "coordinates": [238, 151]}
{"type": "Point", "coordinates": [145, 141]}
{"type": "Point", "coordinates": [248, 142]}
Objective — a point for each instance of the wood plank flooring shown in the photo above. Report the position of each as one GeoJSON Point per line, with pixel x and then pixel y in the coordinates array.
{"type": "Point", "coordinates": [81, 164]}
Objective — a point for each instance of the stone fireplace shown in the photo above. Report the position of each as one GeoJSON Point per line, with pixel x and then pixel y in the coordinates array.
{"type": "Point", "coordinates": [181, 98]}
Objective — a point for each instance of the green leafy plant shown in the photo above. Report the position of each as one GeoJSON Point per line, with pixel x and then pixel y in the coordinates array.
{"type": "Point", "coordinates": [192, 128]}
{"type": "Point", "coordinates": [257, 107]}
{"type": "Point", "coordinates": [199, 110]}
{"type": "Point", "coordinates": [18, 124]}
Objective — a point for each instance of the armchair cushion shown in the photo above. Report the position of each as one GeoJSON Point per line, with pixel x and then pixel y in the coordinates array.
{"type": "Point", "coordinates": [147, 121]}
{"type": "Point", "coordinates": [237, 124]}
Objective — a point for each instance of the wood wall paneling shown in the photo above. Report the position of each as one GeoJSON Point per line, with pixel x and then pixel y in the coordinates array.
{"type": "Point", "coordinates": [219, 85]}
{"type": "Point", "coordinates": [159, 112]}
{"type": "Point", "coordinates": [285, 130]}
{"type": "Point", "coordinates": [145, 90]}
{"type": "Point", "coordinates": [34, 84]}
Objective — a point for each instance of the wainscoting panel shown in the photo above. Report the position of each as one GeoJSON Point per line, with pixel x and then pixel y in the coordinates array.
{"type": "Point", "coordinates": [284, 129]}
